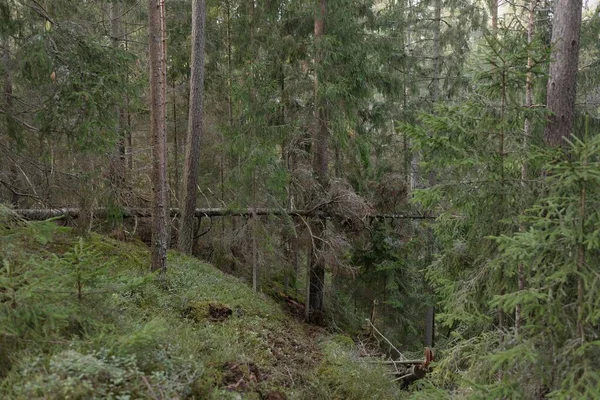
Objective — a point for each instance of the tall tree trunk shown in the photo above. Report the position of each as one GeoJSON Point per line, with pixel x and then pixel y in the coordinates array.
{"type": "Point", "coordinates": [320, 167]}
{"type": "Point", "coordinates": [229, 66]}
{"type": "Point", "coordinates": [408, 176]}
{"type": "Point", "coordinates": [158, 132]}
{"type": "Point", "coordinates": [175, 141]}
{"type": "Point", "coordinates": [563, 71]}
{"type": "Point", "coordinates": [118, 164]}
{"type": "Point", "coordinates": [229, 111]}
{"type": "Point", "coordinates": [129, 151]}
{"type": "Point", "coordinates": [11, 125]}
{"type": "Point", "coordinates": [494, 15]}
{"type": "Point", "coordinates": [195, 128]}
{"type": "Point", "coordinates": [435, 84]}
{"type": "Point", "coordinates": [501, 197]}
{"type": "Point", "coordinates": [526, 136]}
{"type": "Point", "coordinates": [581, 261]}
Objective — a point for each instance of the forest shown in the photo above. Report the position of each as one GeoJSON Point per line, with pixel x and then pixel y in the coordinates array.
{"type": "Point", "coordinates": [300, 199]}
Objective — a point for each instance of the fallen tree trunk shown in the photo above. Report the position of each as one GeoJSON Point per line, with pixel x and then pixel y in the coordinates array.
{"type": "Point", "coordinates": [40, 214]}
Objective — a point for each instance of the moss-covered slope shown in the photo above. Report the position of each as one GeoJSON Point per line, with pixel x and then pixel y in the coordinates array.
{"type": "Point", "coordinates": [83, 318]}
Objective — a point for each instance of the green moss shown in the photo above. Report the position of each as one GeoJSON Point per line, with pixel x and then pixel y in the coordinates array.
{"type": "Point", "coordinates": [131, 329]}
{"type": "Point", "coordinates": [342, 375]}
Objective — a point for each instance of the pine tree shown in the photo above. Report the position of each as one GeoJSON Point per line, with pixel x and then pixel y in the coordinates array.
{"type": "Point", "coordinates": [192, 159]}
{"type": "Point", "coordinates": [563, 71]}
{"type": "Point", "coordinates": [158, 136]}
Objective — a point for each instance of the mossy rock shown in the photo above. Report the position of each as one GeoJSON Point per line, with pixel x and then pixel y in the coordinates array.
{"type": "Point", "coordinates": [344, 341]}
{"type": "Point", "coordinates": [207, 310]}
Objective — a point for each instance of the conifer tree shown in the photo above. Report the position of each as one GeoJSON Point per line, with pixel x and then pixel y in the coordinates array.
{"type": "Point", "coordinates": [562, 82]}
{"type": "Point", "coordinates": [158, 136]}
{"type": "Point", "coordinates": [195, 121]}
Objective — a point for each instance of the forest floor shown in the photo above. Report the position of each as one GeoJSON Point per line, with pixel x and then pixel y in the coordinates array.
{"type": "Point", "coordinates": [83, 318]}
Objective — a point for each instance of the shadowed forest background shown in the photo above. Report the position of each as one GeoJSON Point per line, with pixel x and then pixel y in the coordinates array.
{"type": "Point", "coordinates": [346, 160]}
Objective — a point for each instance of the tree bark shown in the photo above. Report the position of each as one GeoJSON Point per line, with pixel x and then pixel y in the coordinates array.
{"type": "Point", "coordinates": [563, 72]}
{"type": "Point", "coordinates": [195, 128]}
{"type": "Point", "coordinates": [158, 133]}
{"type": "Point", "coordinates": [321, 132]}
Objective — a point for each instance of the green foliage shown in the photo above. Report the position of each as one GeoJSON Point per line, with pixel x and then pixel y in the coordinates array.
{"type": "Point", "coordinates": [477, 147]}
{"type": "Point", "coordinates": [129, 337]}
{"type": "Point", "coordinates": [391, 276]}
{"type": "Point", "coordinates": [559, 252]}
{"type": "Point", "coordinates": [343, 377]}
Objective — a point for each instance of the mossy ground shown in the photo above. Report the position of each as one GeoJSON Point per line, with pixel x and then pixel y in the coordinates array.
{"type": "Point", "coordinates": [83, 318]}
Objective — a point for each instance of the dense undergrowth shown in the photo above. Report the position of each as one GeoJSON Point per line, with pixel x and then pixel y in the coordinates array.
{"type": "Point", "coordinates": [82, 318]}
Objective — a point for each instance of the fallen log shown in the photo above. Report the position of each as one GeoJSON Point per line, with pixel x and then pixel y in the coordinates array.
{"type": "Point", "coordinates": [41, 214]}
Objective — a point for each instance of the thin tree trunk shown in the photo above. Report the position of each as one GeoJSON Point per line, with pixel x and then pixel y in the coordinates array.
{"type": "Point", "coordinates": [321, 132]}
{"type": "Point", "coordinates": [580, 267]}
{"type": "Point", "coordinates": [501, 199]}
{"type": "Point", "coordinates": [435, 84]}
{"type": "Point", "coordinates": [11, 125]}
{"type": "Point", "coordinates": [229, 108]}
{"type": "Point", "coordinates": [195, 129]}
{"type": "Point", "coordinates": [175, 142]}
{"type": "Point", "coordinates": [494, 15]}
{"type": "Point", "coordinates": [522, 281]}
{"type": "Point", "coordinates": [408, 176]}
{"type": "Point", "coordinates": [229, 67]}
{"type": "Point", "coordinates": [561, 91]}
{"type": "Point", "coordinates": [129, 152]}
{"type": "Point", "coordinates": [253, 232]}
{"type": "Point", "coordinates": [320, 166]}
{"type": "Point", "coordinates": [581, 260]}
{"type": "Point", "coordinates": [158, 130]}
{"type": "Point", "coordinates": [288, 236]}
{"type": "Point", "coordinates": [118, 165]}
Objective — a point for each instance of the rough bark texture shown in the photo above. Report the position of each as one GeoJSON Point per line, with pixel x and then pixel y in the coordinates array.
{"type": "Point", "coordinates": [563, 71]}
{"type": "Point", "coordinates": [192, 154]}
{"type": "Point", "coordinates": [320, 167]}
{"type": "Point", "coordinates": [158, 136]}
{"type": "Point", "coordinates": [321, 133]}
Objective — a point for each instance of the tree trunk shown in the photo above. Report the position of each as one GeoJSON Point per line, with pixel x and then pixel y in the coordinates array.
{"type": "Point", "coordinates": [128, 136]}
{"type": "Point", "coordinates": [11, 125]}
{"type": "Point", "coordinates": [526, 135]}
{"type": "Point", "coordinates": [175, 143]}
{"type": "Point", "coordinates": [320, 167]}
{"type": "Point", "coordinates": [229, 66]}
{"type": "Point", "coordinates": [494, 15]}
{"type": "Point", "coordinates": [563, 72]}
{"type": "Point", "coordinates": [435, 84]}
{"type": "Point", "coordinates": [195, 128]}
{"type": "Point", "coordinates": [158, 132]}
{"type": "Point", "coordinates": [118, 164]}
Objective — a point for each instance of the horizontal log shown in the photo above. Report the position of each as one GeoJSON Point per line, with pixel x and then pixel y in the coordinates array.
{"type": "Point", "coordinates": [40, 214]}
{"type": "Point", "coordinates": [400, 362]}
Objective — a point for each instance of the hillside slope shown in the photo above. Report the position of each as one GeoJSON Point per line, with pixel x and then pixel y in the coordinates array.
{"type": "Point", "coordinates": [82, 318]}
